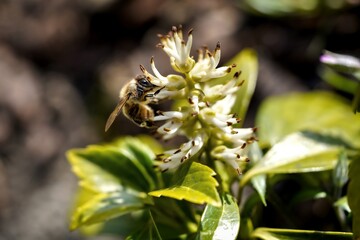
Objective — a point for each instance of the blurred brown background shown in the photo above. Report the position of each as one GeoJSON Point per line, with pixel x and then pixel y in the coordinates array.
{"type": "Point", "coordinates": [62, 63]}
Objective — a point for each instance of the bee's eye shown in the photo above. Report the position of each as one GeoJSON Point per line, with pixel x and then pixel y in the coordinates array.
{"type": "Point", "coordinates": [144, 82]}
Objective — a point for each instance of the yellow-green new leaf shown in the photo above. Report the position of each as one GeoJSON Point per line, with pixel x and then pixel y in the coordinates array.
{"type": "Point", "coordinates": [193, 182]}
{"type": "Point", "coordinates": [106, 168]}
{"type": "Point", "coordinates": [105, 206]}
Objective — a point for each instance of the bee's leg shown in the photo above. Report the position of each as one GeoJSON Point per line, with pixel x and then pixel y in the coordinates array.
{"type": "Point", "coordinates": [157, 91]}
{"type": "Point", "coordinates": [152, 98]}
{"type": "Point", "coordinates": [150, 95]}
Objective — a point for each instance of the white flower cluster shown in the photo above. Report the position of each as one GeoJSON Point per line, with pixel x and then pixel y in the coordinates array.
{"type": "Point", "coordinates": [204, 116]}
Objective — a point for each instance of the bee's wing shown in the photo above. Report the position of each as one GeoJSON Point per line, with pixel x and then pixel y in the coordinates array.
{"type": "Point", "coordinates": [116, 111]}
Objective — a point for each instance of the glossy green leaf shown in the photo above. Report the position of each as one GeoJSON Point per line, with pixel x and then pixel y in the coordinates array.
{"type": "Point", "coordinates": [299, 152]}
{"type": "Point", "coordinates": [105, 206]}
{"type": "Point", "coordinates": [193, 182]}
{"type": "Point", "coordinates": [220, 222]}
{"type": "Point", "coordinates": [290, 234]}
{"type": "Point", "coordinates": [354, 195]}
{"type": "Point", "coordinates": [320, 112]}
{"type": "Point", "coordinates": [107, 168]}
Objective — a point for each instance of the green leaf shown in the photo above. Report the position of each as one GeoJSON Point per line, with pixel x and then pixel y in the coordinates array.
{"type": "Point", "coordinates": [290, 234]}
{"type": "Point", "coordinates": [107, 168]}
{"type": "Point", "coordinates": [341, 63]}
{"type": "Point", "coordinates": [307, 194]}
{"type": "Point", "coordinates": [340, 174]}
{"type": "Point", "coordinates": [114, 180]}
{"type": "Point", "coordinates": [298, 152]}
{"type": "Point", "coordinates": [105, 206]}
{"type": "Point", "coordinates": [356, 100]}
{"type": "Point", "coordinates": [147, 231]}
{"type": "Point", "coordinates": [220, 222]}
{"type": "Point", "coordinates": [354, 195]}
{"type": "Point", "coordinates": [246, 62]}
{"type": "Point", "coordinates": [320, 112]}
{"type": "Point", "coordinates": [343, 204]}
{"type": "Point", "coordinates": [337, 80]}
{"type": "Point", "coordinates": [259, 181]}
{"type": "Point", "coordinates": [193, 182]}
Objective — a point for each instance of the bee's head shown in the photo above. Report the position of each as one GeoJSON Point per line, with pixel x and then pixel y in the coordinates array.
{"type": "Point", "coordinates": [144, 82]}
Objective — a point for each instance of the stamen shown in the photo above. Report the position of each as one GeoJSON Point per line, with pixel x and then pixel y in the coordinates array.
{"type": "Point", "coordinates": [241, 83]}
{"type": "Point", "coordinates": [160, 45]}
{"type": "Point", "coordinates": [166, 160]}
{"type": "Point", "coordinates": [217, 46]}
{"type": "Point", "coordinates": [142, 68]}
{"type": "Point", "coordinates": [190, 31]}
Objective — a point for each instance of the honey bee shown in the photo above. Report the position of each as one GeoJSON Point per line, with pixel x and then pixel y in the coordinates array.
{"type": "Point", "coordinates": [134, 99]}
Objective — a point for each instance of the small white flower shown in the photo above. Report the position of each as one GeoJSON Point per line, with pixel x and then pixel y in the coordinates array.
{"type": "Point", "coordinates": [173, 158]}
{"type": "Point", "coordinates": [232, 156]}
{"type": "Point", "coordinates": [205, 68]}
{"type": "Point", "coordinates": [204, 116]}
{"type": "Point", "coordinates": [177, 49]}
